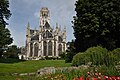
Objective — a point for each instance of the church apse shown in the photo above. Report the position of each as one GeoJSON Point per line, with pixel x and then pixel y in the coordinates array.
{"type": "Point", "coordinates": [45, 41]}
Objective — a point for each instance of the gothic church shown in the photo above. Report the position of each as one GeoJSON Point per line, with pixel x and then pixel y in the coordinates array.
{"type": "Point", "coordinates": [46, 41]}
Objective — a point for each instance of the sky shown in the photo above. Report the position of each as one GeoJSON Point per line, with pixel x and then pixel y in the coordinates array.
{"type": "Point", "coordinates": [24, 11]}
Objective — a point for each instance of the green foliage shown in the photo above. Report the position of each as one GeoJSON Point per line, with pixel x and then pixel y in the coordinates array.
{"type": "Point", "coordinates": [109, 71]}
{"type": "Point", "coordinates": [69, 57]}
{"type": "Point", "coordinates": [97, 23]}
{"type": "Point", "coordinates": [5, 36]}
{"type": "Point", "coordinates": [12, 52]}
{"type": "Point", "coordinates": [110, 59]}
{"type": "Point", "coordinates": [97, 55]}
{"type": "Point", "coordinates": [62, 56]}
{"type": "Point", "coordinates": [80, 59]}
{"type": "Point", "coordinates": [10, 60]}
{"type": "Point", "coordinates": [4, 11]}
{"type": "Point", "coordinates": [50, 58]}
{"type": "Point", "coordinates": [70, 52]}
{"type": "Point", "coordinates": [116, 52]}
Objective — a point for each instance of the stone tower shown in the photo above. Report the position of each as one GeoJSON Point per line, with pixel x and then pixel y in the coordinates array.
{"type": "Point", "coordinates": [44, 16]}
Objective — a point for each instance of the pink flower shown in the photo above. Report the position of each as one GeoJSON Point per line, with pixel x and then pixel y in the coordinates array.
{"type": "Point", "coordinates": [88, 73]}
{"type": "Point", "coordinates": [94, 78]}
{"type": "Point", "coordinates": [118, 78]}
{"type": "Point", "coordinates": [96, 74]}
{"type": "Point", "coordinates": [109, 78]}
{"type": "Point", "coordinates": [106, 77]}
{"type": "Point", "coordinates": [99, 74]}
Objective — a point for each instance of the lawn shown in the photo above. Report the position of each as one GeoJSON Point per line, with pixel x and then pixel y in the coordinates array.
{"type": "Point", "coordinates": [27, 66]}
{"type": "Point", "coordinates": [30, 66]}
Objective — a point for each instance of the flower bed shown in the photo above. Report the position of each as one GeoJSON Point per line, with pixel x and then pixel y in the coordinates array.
{"type": "Point", "coordinates": [97, 76]}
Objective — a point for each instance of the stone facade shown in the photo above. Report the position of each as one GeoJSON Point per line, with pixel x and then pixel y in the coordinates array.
{"type": "Point", "coordinates": [46, 41]}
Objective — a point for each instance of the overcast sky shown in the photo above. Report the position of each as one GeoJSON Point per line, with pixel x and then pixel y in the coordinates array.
{"type": "Point", "coordinates": [24, 11]}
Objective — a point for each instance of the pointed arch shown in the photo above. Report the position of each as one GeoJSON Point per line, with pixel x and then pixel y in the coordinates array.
{"type": "Point", "coordinates": [60, 39]}
{"type": "Point", "coordinates": [36, 50]}
{"type": "Point", "coordinates": [45, 48]}
{"type": "Point", "coordinates": [60, 49]}
{"type": "Point", "coordinates": [64, 47]}
{"type": "Point", "coordinates": [47, 34]}
{"type": "Point", "coordinates": [50, 48]}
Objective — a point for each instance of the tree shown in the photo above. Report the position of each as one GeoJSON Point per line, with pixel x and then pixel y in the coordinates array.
{"type": "Point", "coordinates": [70, 51]}
{"type": "Point", "coordinates": [97, 22]}
{"type": "Point", "coordinates": [5, 36]}
{"type": "Point", "coordinates": [4, 11]}
{"type": "Point", "coordinates": [12, 52]}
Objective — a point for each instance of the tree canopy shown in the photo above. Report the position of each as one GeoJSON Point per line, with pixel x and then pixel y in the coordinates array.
{"type": "Point", "coordinates": [5, 36]}
{"type": "Point", "coordinates": [97, 22]}
{"type": "Point", "coordinates": [4, 11]}
{"type": "Point", "coordinates": [12, 51]}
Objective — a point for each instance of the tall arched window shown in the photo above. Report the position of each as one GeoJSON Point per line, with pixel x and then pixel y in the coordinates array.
{"type": "Point", "coordinates": [47, 34]}
{"type": "Point", "coordinates": [54, 48]}
{"type": "Point", "coordinates": [45, 48]}
{"type": "Point", "coordinates": [49, 48]}
{"type": "Point", "coordinates": [36, 50]}
{"type": "Point", "coordinates": [31, 49]}
{"type": "Point", "coordinates": [60, 49]}
{"type": "Point", "coordinates": [60, 39]}
{"type": "Point", "coordinates": [64, 47]}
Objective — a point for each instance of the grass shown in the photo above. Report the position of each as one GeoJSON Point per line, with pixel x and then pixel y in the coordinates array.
{"type": "Point", "coordinates": [30, 66]}
{"type": "Point", "coordinates": [7, 67]}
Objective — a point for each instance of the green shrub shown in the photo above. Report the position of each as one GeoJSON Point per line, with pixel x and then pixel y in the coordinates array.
{"type": "Point", "coordinates": [97, 55]}
{"type": "Point", "coordinates": [62, 56]}
{"type": "Point", "coordinates": [116, 52]}
{"type": "Point", "coordinates": [69, 57]}
{"type": "Point", "coordinates": [109, 71]}
{"type": "Point", "coordinates": [80, 59]}
{"type": "Point", "coordinates": [110, 59]}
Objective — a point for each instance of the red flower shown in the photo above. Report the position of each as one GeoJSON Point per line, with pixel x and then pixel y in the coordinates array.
{"type": "Point", "coordinates": [113, 77]}
{"type": "Point", "coordinates": [81, 78]}
{"type": "Point", "coordinates": [109, 78]}
{"type": "Point", "coordinates": [87, 78]}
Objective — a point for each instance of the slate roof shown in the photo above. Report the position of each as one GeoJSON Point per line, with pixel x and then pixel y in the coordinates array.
{"type": "Point", "coordinates": [36, 37]}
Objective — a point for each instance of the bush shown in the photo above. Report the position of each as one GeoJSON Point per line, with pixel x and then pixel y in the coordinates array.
{"type": "Point", "coordinates": [97, 55]}
{"type": "Point", "coordinates": [109, 71]}
{"type": "Point", "coordinates": [80, 59]}
{"type": "Point", "coordinates": [116, 52]}
{"type": "Point", "coordinates": [69, 57]}
{"type": "Point", "coordinates": [50, 58]}
{"type": "Point", "coordinates": [110, 59]}
{"type": "Point", "coordinates": [62, 56]}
